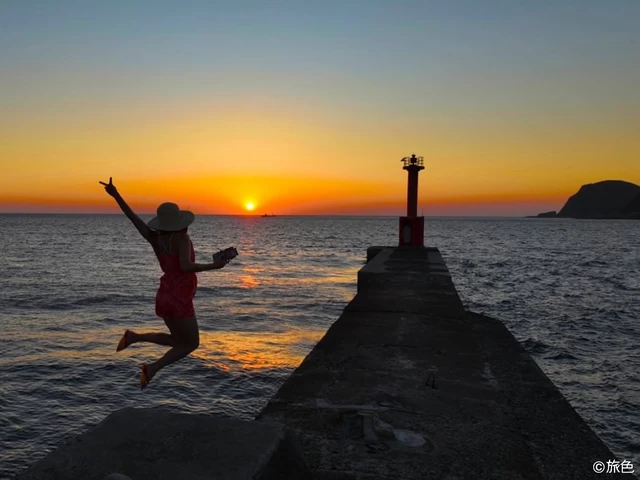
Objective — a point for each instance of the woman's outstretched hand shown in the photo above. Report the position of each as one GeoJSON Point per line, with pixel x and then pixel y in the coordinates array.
{"type": "Point", "coordinates": [220, 263]}
{"type": "Point", "coordinates": [110, 188]}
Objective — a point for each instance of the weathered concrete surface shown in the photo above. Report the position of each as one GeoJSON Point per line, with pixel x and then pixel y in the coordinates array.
{"type": "Point", "coordinates": [406, 279]}
{"type": "Point", "coordinates": [155, 444]}
{"type": "Point", "coordinates": [400, 393]}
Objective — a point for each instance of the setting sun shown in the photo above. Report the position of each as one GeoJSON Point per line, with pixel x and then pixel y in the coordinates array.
{"type": "Point", "coordinates": [250, 206]}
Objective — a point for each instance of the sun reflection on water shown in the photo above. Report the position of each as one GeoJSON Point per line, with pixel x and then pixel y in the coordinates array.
{"type": "Point", "coordinates": [256, 351]}
{"type": "Point", "coordinates": [248, 281]}
{"type": "Point", "coordinates": [225, 351]}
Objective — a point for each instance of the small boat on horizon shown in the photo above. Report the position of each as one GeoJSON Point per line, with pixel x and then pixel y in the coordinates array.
{"type": "Point", "coordinates": [267, 215]}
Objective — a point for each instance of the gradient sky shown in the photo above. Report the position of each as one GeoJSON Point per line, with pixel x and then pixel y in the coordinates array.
{"type": "Point", "coordinates": [308, 107]}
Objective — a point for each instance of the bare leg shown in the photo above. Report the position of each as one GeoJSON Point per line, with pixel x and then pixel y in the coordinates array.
{"type": "Point", "coordinates": [186, 336]}
{"type": "Point", "coordinates": [130, 338]}
{"type": "Point", "coordinates": [176, 353]}
{"type": "Point", "coordinates": [157, 338]}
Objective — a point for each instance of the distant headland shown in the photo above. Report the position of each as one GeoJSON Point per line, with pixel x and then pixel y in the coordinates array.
{"type": "Point", "coordinates": [606, 199]}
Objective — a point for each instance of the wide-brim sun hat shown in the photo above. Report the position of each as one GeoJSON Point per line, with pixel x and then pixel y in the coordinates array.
{"type": "Point", "coordinates": [170, 218]}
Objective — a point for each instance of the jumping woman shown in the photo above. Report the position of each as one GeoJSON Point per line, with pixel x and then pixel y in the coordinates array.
{"type": "Point", "coordinates": [167, 234]}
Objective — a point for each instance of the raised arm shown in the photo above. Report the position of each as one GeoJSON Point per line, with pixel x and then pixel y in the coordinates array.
{"type": "Point", "coordinates": [187, 266]}
{"type": "Point", "coordinates": [145, 231]}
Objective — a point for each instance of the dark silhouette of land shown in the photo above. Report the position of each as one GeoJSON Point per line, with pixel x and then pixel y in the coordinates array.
{"type": "Point", "coordinates": [633, 206]}
{"type": "Point", "coordinates": [606, 199]}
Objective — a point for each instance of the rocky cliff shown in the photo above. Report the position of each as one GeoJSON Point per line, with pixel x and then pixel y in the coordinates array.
{"type": "Point", "coordinates": [606, 199]}
{"type": "Point", "coordinates": [633, 206]}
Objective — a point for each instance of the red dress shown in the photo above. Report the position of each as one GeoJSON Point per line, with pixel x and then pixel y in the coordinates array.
{"type": "Point", "coordinates": [174, 299]}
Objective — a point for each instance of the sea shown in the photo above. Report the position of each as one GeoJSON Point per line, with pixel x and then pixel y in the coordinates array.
{"type": "Point", "coordinates": [569, 290]}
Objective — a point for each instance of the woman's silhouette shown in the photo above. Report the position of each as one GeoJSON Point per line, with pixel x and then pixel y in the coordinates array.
{"type": "Point", "coordinates": [167, 234]}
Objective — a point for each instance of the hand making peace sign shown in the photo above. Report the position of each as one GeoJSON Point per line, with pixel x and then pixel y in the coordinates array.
{"type": "Point", "coordinates": [110, 188]}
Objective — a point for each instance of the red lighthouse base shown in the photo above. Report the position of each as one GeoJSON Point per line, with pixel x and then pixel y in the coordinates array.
{"type": "Point", "coordinates": [412, 231]}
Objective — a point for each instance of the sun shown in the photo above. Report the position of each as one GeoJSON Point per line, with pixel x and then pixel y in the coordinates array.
{"type": "Point", "coordinates": [250, 206]}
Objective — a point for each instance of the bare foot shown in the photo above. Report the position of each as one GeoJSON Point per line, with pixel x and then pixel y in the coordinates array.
{"type": "Point", "coordinates": [125, 341]}
{"type": "Point", "coordinates": [144, 376]}
{"type": "Point", "coordinates": [147, 372]}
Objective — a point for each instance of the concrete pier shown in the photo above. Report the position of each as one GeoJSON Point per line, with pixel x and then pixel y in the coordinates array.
{"type": "Point", "coordinates": [156, 444]}
{"type": "Point", "coordinates": [407, 385]}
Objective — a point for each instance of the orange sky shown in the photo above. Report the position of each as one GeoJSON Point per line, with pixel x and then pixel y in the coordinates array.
{"type": "Point", "coordinates": [512, 113]}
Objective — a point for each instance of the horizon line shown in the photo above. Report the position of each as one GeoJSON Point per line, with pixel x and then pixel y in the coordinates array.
{"type": "Point", "coordinates": [271, 216]}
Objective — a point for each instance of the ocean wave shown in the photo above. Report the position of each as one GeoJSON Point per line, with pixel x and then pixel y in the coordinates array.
{"type": "Point", "coordinates": [467, 264]}
{"type": "Point", "coordinates": [111, 299]}
{"type": "Point", "coordinates": [204, 289]}
{"type": "Point", "coordinates": [592, 263]}
{"type": "Point", "coordinates": [58, 302]}
{"type": "Point", "coordinates": [535, 347]}
{"type": "Point", "coordinates": [561, 356]}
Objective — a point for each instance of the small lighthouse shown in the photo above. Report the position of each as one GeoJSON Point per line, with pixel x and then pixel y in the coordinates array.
{"type": "Point", "coordinates": [412, 226]}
